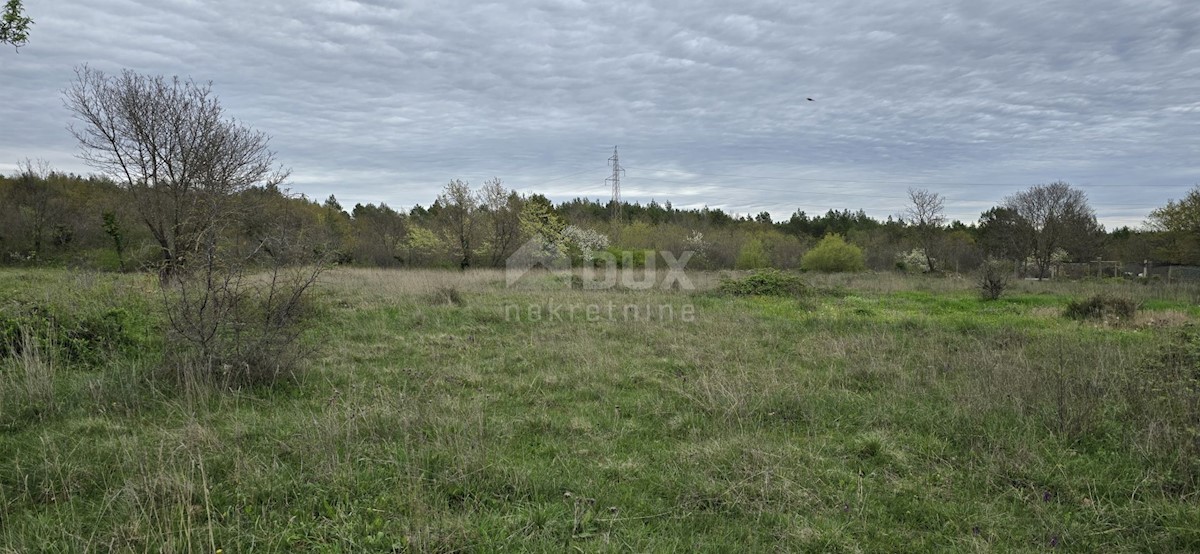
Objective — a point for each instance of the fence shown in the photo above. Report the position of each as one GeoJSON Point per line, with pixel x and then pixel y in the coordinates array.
{"type": "Point", "coordinates": [1133, 270]}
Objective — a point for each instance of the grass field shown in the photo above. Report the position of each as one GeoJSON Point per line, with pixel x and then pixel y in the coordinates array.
{"type": "Point", "coordinates": [446, 412]}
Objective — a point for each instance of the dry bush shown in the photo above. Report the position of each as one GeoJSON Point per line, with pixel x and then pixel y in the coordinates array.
{"type": "Point", "coordinates": [993, 279]}
{"type": "Point", "coordinates": [236, 318]}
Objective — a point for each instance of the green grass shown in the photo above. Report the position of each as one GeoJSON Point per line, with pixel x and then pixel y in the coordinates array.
{"type": "Point", "coordinates": [900, 414]}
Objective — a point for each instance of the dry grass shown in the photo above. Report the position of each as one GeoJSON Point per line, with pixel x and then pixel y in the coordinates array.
{"type": "Point", "coordinates": [363, 286]}
{"type": "Point", "coordinates": [1163, 318]}
{"type": "Point", "coordinates": [370, 286]}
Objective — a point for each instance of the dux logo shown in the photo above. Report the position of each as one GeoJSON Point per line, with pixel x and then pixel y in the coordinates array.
{"type": "Point", "coordinates": [602, 270]}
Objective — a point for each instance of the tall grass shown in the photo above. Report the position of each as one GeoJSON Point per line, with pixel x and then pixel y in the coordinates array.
{"type": "Point", "coordinates": [28, 377]}
{"type": "Point", "coordinates": [903, 415]}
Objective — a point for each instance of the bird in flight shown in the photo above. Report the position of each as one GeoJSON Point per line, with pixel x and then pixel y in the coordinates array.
{"type": "Point", "coordinates": [811, 100]}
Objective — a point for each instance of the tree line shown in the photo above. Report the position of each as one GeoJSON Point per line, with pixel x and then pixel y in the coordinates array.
{"type": "Point", "coordinates": [55, 218]}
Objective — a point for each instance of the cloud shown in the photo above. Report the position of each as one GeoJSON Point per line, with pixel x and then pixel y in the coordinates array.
{"type": "Point", "coordinates": [386, 101]}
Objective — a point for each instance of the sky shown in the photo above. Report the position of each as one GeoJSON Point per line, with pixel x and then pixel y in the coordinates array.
{"type": "Point", "coordinates": [380, 101]}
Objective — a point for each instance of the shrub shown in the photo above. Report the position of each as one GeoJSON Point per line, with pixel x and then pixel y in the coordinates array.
{"type": "Point", "coordinates": [235, 317]}
{"type": "Point", "coordinates": [913, 261]}
{"type": "Point", "coordinates": [993, 279]}
{"type": "Point", "coordinates": [1102, 308]}
{"type": "Point", "coordinates": [833, 254]}
{"type": "Point", "coordinates": [228, 329]}
{"type": "Point", "coordinates": [765, 282]}
{"type": "Point", "coordinates": [625, 258]}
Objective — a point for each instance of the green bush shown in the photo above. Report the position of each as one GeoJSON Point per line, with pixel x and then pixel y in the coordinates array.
{"type": "Point", "coordinates": [765, 282]}
{"type": "Point", "coordinates": [752, 256]}
{"type": "Point", "coordinates": [833, 254]}
{"type": "Point", "coordinates": [1102, 308]}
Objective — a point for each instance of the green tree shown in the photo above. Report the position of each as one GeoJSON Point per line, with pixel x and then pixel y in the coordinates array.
{"type": "Point", "coordinates": [36, 201]}
{"type": "Point", "coordinates": [422, 245]}
{"type": "Point", "coordinates": [753, 255]}
{"type": "Point", "coordinates": [1004, 234]}
{"type": "Point", "coordinates": [14, 24]}
{"type": "Point", "coordinates": [538, 219]}
{"type": "Point", "coordinates": [379, 234]}
{"type": "Point", "coordinates": [1179, 220]}
{"type": "Point", "coordinates": [833, 254]}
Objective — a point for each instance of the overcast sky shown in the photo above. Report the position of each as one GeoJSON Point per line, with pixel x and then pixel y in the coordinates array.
{"type": "Point", "coordinates": [387, 101]}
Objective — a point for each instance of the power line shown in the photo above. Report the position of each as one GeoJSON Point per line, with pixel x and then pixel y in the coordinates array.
{"type": "Point", "coordinates": [808, 192]}
{"type": "Point", "coordinates": [727, 197]}
{"type": "Point", "coordinates": [568, 176]}
{"type": "Point", "coordinates": [884, 181]}
{"type": "Point", "coordinates": [740, 187]}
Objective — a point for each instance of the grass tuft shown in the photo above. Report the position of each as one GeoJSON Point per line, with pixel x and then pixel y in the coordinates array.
{"type": "Point", "coordinates": [448, 295]}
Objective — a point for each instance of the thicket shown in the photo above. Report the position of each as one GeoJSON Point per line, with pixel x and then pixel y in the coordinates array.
{"type": "Point", "coordinates": [764, 282]}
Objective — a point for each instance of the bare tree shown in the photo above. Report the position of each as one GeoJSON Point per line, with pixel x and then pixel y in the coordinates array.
{"type": "Point", "coordinates": [1059, 218]}
{"type": "Point", "coordinates": [234, 306]}
{"type": "Point", "coordinates": [503, 208]}
{"type": "Point", "coordinates": [925, 214]}
{"type": "Point", "coordinates": [169, 143]}
{"type": "Point", "coordinates": [458, 215]}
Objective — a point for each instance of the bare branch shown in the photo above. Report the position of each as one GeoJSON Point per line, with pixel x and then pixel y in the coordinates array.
{"type": "Point", "coordinates": [169, 143]}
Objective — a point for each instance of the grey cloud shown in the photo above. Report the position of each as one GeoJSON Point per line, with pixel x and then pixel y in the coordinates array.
{"type": "Point", "coordinates": [386, 101]}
